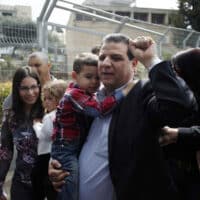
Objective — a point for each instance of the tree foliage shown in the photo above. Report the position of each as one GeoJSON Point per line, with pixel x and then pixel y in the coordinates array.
{"type": "Point", "coordinates": [189, 10]}
{"type": "Point", "coordinates": [177, 20]}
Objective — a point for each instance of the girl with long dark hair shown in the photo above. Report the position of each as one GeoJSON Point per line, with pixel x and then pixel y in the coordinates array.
{"type": "Point", "coordinates": [17, 132]}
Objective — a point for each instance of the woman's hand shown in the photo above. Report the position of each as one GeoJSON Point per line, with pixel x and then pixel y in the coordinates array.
{"type": "Point", "coordinates": [169, 136]}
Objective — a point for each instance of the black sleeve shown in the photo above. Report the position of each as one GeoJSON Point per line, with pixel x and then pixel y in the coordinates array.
{"type": "Point", "coordinates": [173, 101]}
{"type": "Point", "coordinates": [189, 136]}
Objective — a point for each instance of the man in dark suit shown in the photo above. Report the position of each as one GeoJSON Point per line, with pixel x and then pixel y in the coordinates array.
{"type": "Point", "coordinates": [121, 157]}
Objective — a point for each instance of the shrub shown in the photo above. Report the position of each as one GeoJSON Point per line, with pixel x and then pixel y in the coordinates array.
{"type": "Point", "coordinates": [5, 89]}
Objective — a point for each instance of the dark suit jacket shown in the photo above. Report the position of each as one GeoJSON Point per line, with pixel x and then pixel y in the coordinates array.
{"type": "Point", "coordinates": [137, 167]}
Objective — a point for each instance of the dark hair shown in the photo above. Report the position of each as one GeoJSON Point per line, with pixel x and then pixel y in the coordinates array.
{"type": "Point", "coordinates": [119, 38]}
{"type": "Point", "coordinates": [95, 50]}
{"type": "Point", "coordinates": [82, 59]}
{"type": "Point", "coordinates": [187, 64]}
{"type": "Point", "coordinates": [17, 106]}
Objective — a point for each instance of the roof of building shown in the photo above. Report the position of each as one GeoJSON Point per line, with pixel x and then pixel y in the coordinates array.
{"type": "Point", "coordinates": [108, 2]}
{"type": "Point", "coordinates": [169, 4]}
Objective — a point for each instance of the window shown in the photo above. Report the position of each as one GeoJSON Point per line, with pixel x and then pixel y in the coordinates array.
{"type": "Point", "coordinates": [80, 17]}
{"type": "Point", "coordinates": [158, 18]}
{"type": "Point", "coordinates": [128, 14]}
{"type": "Point", "coordinates": [7, 14]}
{"type": "Point", "coordinates": [141, 16]}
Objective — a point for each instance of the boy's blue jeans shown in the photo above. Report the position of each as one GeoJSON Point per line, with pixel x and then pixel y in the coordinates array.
{"type": "Point", "coordinates": [66, 152]}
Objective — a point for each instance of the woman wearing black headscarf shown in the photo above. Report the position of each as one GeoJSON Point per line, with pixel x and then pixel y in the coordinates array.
{"type": "Point", "coordinates": [182, 145]}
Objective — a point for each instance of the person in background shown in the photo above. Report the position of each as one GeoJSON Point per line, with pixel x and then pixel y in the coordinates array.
{"type": "Point", "coordinates": [17, 131]}
{"type": "Point", "coordinates": [182, 145]}
{"type": "Point", "coordinates": [52, 92]}
{"type": "Point", "coordinates": [39, 61]}
{"type": "Point", "coordinates": [121, 157]}
{"type": "Point", "coordinates": [71, 122]}
{"type": "Point", "coordinates": [95, 50]}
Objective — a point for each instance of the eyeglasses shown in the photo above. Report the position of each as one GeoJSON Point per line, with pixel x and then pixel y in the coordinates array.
{"type": "Point", "coordinates": [31, 88]}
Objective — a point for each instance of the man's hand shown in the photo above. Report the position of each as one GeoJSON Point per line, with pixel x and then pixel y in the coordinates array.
{"type": "Point", "coordinates": [144, 50]}
{"type": "Point", "coordinates": [169, 136]}
{"type": "Point", "coordinates": [56, 175]}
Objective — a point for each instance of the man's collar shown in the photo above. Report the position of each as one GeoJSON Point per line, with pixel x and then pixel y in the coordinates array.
{"type": "Point", "coordinates": [102, 92]}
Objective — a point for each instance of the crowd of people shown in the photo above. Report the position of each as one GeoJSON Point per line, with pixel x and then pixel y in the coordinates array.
{"type": "Point", "coordinates": [105, 135]}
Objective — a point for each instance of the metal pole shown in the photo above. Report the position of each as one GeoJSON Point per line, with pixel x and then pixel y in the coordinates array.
{"type": "Point", "coordinates": [45, 38]}
{"type": "Point", "coordinates": [46, 4]}
{"type": "Point", "coordinates": [186, 39]}
{"type": "Point", "coordinates": [198, 42]}
{"type": "Point", "coordinates": [123, 22]}
{"type": "Point", "coordinates": [160, 42]}
{"type": "Point", "coordinates": [40, 24]}
{"type": "Point", "coordinates": [78, 29]}
{"type": "Point", "coordinates": [44, 27]}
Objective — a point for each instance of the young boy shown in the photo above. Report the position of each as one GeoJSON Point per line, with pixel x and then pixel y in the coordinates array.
{"type": "Point", "coordinates": [71, 123]}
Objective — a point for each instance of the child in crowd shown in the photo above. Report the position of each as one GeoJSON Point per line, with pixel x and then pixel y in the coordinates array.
{"type": "Point", "coordinates": [71, 123]}
{"type": "Point", "coordinates": [52, 92]}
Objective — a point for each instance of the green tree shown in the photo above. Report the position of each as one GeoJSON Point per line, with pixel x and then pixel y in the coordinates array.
{"type": "Point", "coordinates": [177, 20]}
{"type": "Point", "coordinates": [190, 11]}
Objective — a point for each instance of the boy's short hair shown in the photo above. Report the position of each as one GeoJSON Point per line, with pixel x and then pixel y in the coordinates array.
{"type": "Point", "coordinates": [82, 59]}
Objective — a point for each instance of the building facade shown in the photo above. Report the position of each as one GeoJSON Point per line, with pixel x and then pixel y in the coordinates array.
{"type": "Point", "coordinates": [89, 24]}
{"type": "Point", "coordinates": [17, 11]}
{"type": "Point", "coordinates": [130, 9]}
